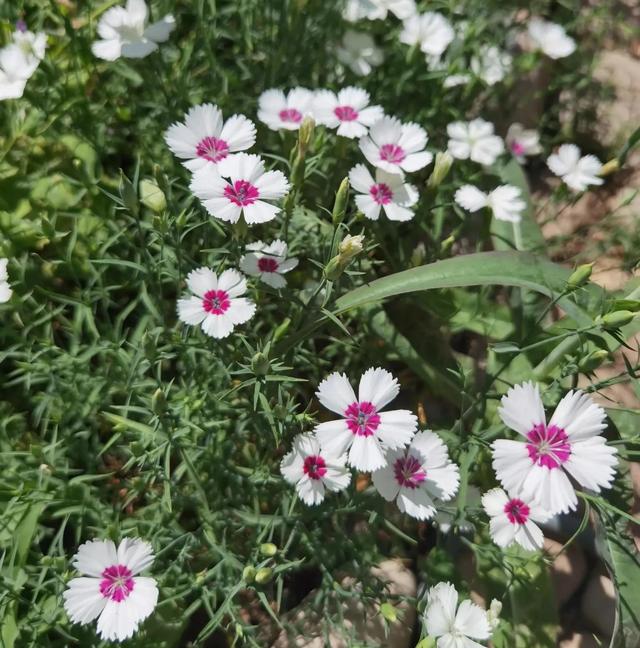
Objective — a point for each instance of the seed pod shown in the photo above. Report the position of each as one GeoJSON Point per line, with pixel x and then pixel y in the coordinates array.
{"type": "Point", "coordinates": [268, 549]}
{"type": "Point", "coordinates": [249, 574]}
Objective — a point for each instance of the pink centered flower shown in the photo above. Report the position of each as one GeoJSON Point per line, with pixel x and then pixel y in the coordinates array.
{"type": "Point", "coordinates": [362, 418]}
{"type": "Point", "coordinates": [290, 115]}
{"type": "Point", "coordinates": [284, 111]}
{"type": "Point", "coordinates": [381, 193]}
{"type": "Point", "coordinates": [117, 583]}
{"type": "Point", "coordinates": [517, 148]}
{"type": "Point", "coordinates": [267, 264]}
{"type": "Point", "coordinates": [549, 446]}
{"type": "Point", "coordinates": [242, 193]}
{"type": "Point", "coordinates": [315, 467]}
{"type": "Point", "coordinates": [409, 472]}
{"type": "Point", "coordinates": [216, 302]}
{"type": "Point", "coordinates": [345, 113]}
{"type": "Point", "coordinates": [212, 149]}
{"type": "Point", "coordinates": [392, 153]}
{"type": "Point", "coordinates": [517, 511]}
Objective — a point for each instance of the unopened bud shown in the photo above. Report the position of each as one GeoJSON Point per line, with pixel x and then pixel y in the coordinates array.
{"type": "Point", "coordinates": [268, 549]}
{"type": "Point", "coordinates": [593, 360]}
{"type": "Point", "coordinates": [389, 612]}
{"type": "Point", "coordinates": [128, 194]}
{"type": "Point", "coordinates": [340, 204]}
{"type": "Point", "coordinates": [616, 319]}
{"type": "Point", "coordinates": [158, 402]}
{"type": "Point", "coordinates": [441, 169]}
{"type": "Point", "coordinates": [249, 574]}
{"type": "Point", "coordinates": [419, 255]}
{"type": "Point", "coordinates": [351, 246]}
{"type": "Point", "coordinates": [305, 134]}
{"type": "Point", "coordinates": [580, 276]}
{"type": "Point", "coordinates": [264, 575]}
{"type": "Point", "coordinates": [493, 613]}
{"type": "Point", "coordinates": [610, 167]}
{"type": "Point", "coordinates": [260, 364]}
{"type": "Point", "coordinates": [152, 196]}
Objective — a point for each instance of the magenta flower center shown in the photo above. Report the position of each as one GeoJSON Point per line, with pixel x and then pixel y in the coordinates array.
{"type": "Point", "coordinates": [267, 264]}
{"type": "Point", "coordinates": [517, 148]}
{"type": "Point", "coordinates": [345, 113]}
{"type": "Point", "coordinates": [381, 193]}
{"type": "Point", "coordinates": [216, 302]}
{"type": "Point", "coordinates": [408, 472]}
{"type": "Point", "coordinates": [362, 418]}
{"type": "Point", "coordinates": [517, 511]}
{"type": "Point", "coordinates": [290, 115]}
{"type": "Point", "coordinates": [117, 583]}
{"type": "Point", "coordinates": [241, 193]}
{"type": "Point", "coordinates": [212, 149]}
{"type": "Point", "coordinates": [315, 467]}
{"type": "Point", "coordinates": [548, 446]}
{"type": "Point", "coordinates": [392, 153]}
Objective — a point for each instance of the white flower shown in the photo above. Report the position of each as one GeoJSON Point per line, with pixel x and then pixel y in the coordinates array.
{"type": "Point", "coordinates": [124, 32]}
{"type": "Point", "coordinates": [453, 80]}
{"type": "Point", "coordinates": [245, 192]}
{"type": "Point", "coordinates": [552, 39]}
{"type": "Point", "coordinates": [363, 429]}
{"type": "Point", "coordinates": [378, 9]}
{"type": "Point", "coordinates": [388, 191]}
{"type": "Point", "coordinates": [493, 613]}
{"type": "Point", "coordinates": [505, 202]}
{"type": "Point", "coordinates": [348, 111]}
{"type": "Point", "coordinates": [278, 110]}
{"type": "Point", "coordinates": [358, 51]}
{"type": "Point", "coordinates": [32, 46]}
{"type": "Point", "coordinates": [513, 520]}
{"type": "Point", "coordinates": [474, 140]}
{"type": "Point", "coordinates": [430, 30]}
{"type": "Point", "coordinates": [5, 289]}
{"type": "Point", "coordinates": [269, 262]}
{"type": "Point", "coordinates": [110, 588]}
{"type": "Point", "coordinates": [18, 61]}
{"type": "Point", "coordinates": [455, 626]}
{"type": "Point", "coordinates": [216, 304]}
{"type": "Point", "coordinates": [523, 142]}
{"type": "Point", "coordinates": [313, 471]}
{"type": "Point", "coordinates": [395, 147]}
{"type": "Point", "coordinates": [491, 64]}
{"type": "Point", "coordinates": [205, 138]}
{"type": "Point", "coordinates": [576, 172]}
{"type": "Point", "coordinates": [537, 469]}
{"type": "Point", "coordinates": [417, 476]}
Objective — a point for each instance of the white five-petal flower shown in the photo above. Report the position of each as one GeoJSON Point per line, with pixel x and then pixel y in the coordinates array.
{"type": "Point", "coordinates": [395, 147]}
{"type": "Point", "coordinates": [538, 468]}
{"type": "Point", "coordinates": [268, 262]}
{"type": "Point", "coordinates": [514, 520]}
{"type": "Point", "coordinates": [217, 303]}
{"type": "Point", "coordinates": [359, 52]}
{"type": "Point", "coordinates": [474, 140]}
{"type": "Point", "coordinates": [491, 64]}
{"type": "Point", "coordinates": [577, 172]}
{"type": "Point", "coordinates": [348, 111]}
{"type": "Point", "coordinates": [430, 30]}
{"type": "Point", "coordinates": [363, 428]}
{"type": "Point", "coordinates": [314, 471]}
{"type": "Point", "coordinates": [523, 142]}
{"type": "Point", "coordinates": [124, 32]}
{"type": "Point", "coordinates": [205, 138]}
{"type": "Point", "coordinates": [551, 38]}
{"type": "Point", "coordinates": [5, 289]}
{"type": "Point", "coordinates": [505, 202]}
{"type": "Point", "coordinates": [239, 185]}
{"type": "Point", "coordinates": [388, 192]}
{"type": "Point", "coordinates": [280, 111]}
{"type": "Point", "coordinates": [19, 60]}
{"type": "Point", "coordinates": [417, 476]}
{"type": "Point", "coordinates": [454, 626]}
{"type": "Point", "coordinates": [356, 10]}
{"type": "Point", "coordinates": [110, 588]}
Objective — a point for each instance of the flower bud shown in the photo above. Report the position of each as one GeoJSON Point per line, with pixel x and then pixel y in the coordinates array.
{"type": "Point", "coordinates": [493, 613]}
{"type": "Point", "coordinates": [158, 402]}
{"type": "Point", "coordinates": [389, 612]}
{"type": "Point", "coordinates": [419, 255]}
{"type": "Point", "coordinates": [268, 549]}
{"type": "Point", "coordinates": [128, 194]}
{"type": "Point", "coordinates": [249, 574]}
{"type": "Point", "coordinates": [616, 319]}
{"type": "Point", "coordinates": [305, 133]}
{"type": "Point", "coordinates": [580, 276]}
{"type": "Point", "coordinates": [340, 204]}
{"type": "Point", "coordinates": [610, 167]}
{"type": "Point", "coordinates": [264, 575]}
{"type": "Point", "coordinates": [351, 246]}
{"type": "Point", "coordinates": [441, 169]}
{"type": "Point", "coordinates": [152, 196]}
{"type": "Point", "coordinates": [260, 364]}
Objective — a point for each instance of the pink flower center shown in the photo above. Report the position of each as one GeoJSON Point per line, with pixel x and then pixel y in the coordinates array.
{"type": "Point", "coordinates": [392, 153]}
{"type": "Point", "coordinates": [267, 264]}
{"type": "Point", "coordinates": [548, 446]}
{"type": "Point", "coordinates": [216, 302]}
{"type": "Point", "coordinates": [241, 193]}
{"type": "Point", "coordinates": [117, 583]}
{"type": "Point", "coordinates": [345, 113]}
{"type": "Point", "coordinates": [362, 418]}
{"type": "Point", "coordinates": [290, 115]}
{"type": "Point", "coordinates": [408, 472]}
{"type": "Point", "coordinates": [315, 467]}
{"type": "Point", "coordinates": [517, 511]}
{"type": "Point", "coordinates": [212, 149]}
{"type": "Point", "coordinates": [517, 148]}
{"type": "Point", "coordinates": [381, 193]}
